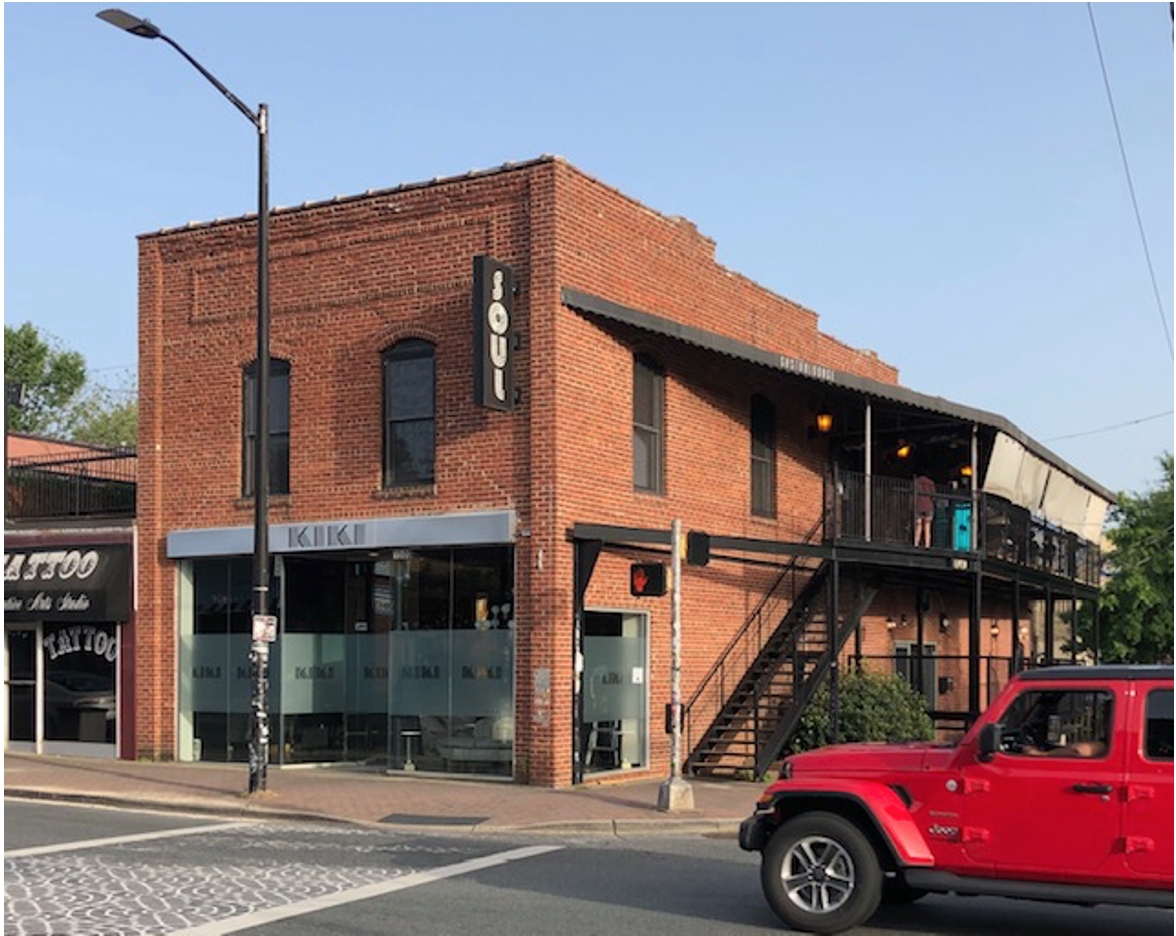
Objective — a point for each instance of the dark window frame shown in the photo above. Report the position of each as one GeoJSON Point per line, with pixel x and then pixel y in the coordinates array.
{"type": "Point", "coordinates": [410, 349]}
{"type": "Point", "coordinates": [762, 426]}
{"type": "Point", "coordinates": [905, 660]}
{"type": "Point", "coordinates": [279, 429]}
{"type": "Point", "coordinates": [1157, 730]}
{"type": "Point", "coordinates": [653, 430]}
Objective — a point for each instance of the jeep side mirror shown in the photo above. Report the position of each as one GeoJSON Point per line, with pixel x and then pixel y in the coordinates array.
{"type": "Point", "coordinates": [989, 742]}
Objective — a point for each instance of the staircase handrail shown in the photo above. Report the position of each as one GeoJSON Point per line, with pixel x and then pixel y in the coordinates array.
{"type": "Point", "coordinates": [751, 619]}
{"type": "Point", "coordinates": [812, 681]}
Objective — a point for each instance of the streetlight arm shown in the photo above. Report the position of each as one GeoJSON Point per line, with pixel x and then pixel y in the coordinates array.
{"type": "Point", "coordinates": [254, 119]}
{"type": "Point", "coordinates": [145, 29]}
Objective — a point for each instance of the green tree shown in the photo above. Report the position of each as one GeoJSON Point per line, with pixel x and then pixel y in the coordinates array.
{"type": "Point", "coordinates": [51, 376]}
{"type": "Point", "coordinates": [58, 401]}
{"type": "Point", "coordinates": [870, 707]}
{"type": "Point", "coordinates": [102, 416]}
{"type": "Point", "coordinates": [1135, 607]}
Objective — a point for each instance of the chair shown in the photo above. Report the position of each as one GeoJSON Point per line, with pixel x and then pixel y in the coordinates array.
{"type": "Point", "coordinates": [604, 745]}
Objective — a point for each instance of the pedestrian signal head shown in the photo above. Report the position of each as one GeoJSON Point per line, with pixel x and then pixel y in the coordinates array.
{"type": "Point", "coordinates": [647, 579]}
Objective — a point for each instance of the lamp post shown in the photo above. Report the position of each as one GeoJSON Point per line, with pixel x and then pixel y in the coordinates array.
{"type": "Point", "coordinates": [259, 651]}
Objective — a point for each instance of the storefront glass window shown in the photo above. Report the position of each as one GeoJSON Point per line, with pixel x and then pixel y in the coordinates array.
{"type": "Point", "coordinates": [403, 659]}
{"type": "Point", "coordinates": [313, 673]}
{"type": "Point", "coordinates": [80, 667]}
{"type": "Point", "coordinates": [215, 685]}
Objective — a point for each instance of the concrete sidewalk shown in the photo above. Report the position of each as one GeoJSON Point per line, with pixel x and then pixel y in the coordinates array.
{"type": "Point", "coordinates": [361, 795]}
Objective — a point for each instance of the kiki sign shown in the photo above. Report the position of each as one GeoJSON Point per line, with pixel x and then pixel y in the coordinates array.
{"type": "Point", "coordinates": [493, 334]}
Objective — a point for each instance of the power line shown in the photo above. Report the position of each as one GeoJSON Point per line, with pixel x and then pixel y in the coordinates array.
{"type": "Point", "coordinates": [1130, 184]}
{"type": "Point", "coordinates": [1130, 422]}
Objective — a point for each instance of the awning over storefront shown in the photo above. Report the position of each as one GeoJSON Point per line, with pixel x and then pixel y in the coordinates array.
{"type": "Point", "coordinates": [458, 529]}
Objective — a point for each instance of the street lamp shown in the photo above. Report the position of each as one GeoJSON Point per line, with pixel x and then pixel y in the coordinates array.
{"type": "Point", "coordinates": [259, 652]}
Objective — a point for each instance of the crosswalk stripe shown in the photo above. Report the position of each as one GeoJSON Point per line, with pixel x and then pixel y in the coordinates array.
{"type": "Point", "coordinates": [118, 840]}
{"type": "Point", "coordinates": [366, 892]}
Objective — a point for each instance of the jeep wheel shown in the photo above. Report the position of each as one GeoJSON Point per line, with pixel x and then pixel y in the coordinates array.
{"type": "Point", "coordinates": [820, 874]}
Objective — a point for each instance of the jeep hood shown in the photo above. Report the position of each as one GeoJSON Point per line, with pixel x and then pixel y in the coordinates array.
{"type": "Point", "coordinates": [871, 758]}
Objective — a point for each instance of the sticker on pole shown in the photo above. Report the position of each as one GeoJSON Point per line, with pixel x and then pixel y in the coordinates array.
{"type": "Point", "coordinates": [265, 627]}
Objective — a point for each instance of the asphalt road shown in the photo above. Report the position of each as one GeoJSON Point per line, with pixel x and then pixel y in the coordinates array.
{"type": "Point", "coordinates": [87, 870]}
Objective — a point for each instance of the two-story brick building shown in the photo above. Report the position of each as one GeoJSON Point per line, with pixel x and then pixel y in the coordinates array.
{"type": "Point", "coordinates": [451, 561]}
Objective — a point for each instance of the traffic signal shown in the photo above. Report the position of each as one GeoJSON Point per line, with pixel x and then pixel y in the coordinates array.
{"type": "Point", "coordinates": [647, 579]}
{"type": "Point", "coordinates": [697, 548]}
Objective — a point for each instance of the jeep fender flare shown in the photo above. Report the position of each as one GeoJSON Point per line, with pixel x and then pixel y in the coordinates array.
{"type": "Point", "coordinates": [881, 812]}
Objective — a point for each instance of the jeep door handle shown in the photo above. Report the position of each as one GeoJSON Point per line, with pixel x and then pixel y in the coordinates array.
{"type": "Point", "coordinates": [1099, 788]}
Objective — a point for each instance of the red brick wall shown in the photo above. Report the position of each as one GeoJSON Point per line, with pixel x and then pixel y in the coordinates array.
{"type": "Point", "coordinates": [611, 246]}
{"type": "Point", "coordinates": [348, 280]}
{"type": "Point", "coordinates": [351, 278]}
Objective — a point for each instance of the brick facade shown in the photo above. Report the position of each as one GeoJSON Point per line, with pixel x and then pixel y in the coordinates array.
{"type": "Point", "coordinates": [354, 276]}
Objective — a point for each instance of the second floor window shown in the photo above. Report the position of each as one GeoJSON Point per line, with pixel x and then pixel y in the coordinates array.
{"type": "Point", "coordinates": [409, 413]}
{"type": "Point", "coordinates": [279, 428]}
{"type": "Point", "coordinates": [648, 425]}
{"type": "Point", "coordinates": [763, 457]}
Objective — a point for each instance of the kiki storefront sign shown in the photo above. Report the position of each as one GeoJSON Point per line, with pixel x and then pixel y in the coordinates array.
{"type": "Point", "coordinates": [88, 583]}
{"type": "Point", "coordinates": [493, 334]}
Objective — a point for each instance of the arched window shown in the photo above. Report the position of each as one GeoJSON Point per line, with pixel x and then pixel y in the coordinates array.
{"type": "Point", "coordinates": [648, 425]}
{"type": "Point", "coordinates": [763, 457]}
{"type": "Point", "coordinates": [409, 413]}
{"type": "Point", "coordinates": [279, 427]}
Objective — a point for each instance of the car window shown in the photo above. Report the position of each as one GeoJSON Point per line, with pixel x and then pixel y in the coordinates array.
{"type": "Point", "coordinates": [1059, 723]}
{"type": "Point", "coordinates": [1158, 725]}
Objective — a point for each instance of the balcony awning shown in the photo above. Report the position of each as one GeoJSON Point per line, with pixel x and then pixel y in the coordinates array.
{"type": "Point", "coordinates": [1077, 503]}
{"type": "Point", "coordinates": [1018, 475]}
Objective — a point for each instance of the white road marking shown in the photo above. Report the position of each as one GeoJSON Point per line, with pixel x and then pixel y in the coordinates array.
{"type": "Point", "coordinates": [119, 840]}
{"type": "Point", "coordinates": [366, 892]}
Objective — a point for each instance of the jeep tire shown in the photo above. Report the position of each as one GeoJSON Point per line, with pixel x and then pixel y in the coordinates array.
{"type": "Point", "coordinates": [820, 874]}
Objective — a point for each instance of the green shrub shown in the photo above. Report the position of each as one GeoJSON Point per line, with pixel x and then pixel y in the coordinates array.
{"type": "Point", "coordinates": [871, 707]}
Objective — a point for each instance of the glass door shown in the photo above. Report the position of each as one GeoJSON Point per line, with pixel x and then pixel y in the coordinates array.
{"type": "Point", "coordinates": [20, 655]}
{"type": "Point", "coordinates": [616, 691]}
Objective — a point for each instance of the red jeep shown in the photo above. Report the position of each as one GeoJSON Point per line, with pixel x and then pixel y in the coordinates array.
{"type": "Point", "coordinates": [1061, 791]}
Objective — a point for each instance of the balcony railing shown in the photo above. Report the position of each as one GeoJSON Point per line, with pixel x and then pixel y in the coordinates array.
{"type": "Point", "coordinates": [72, 486]}
{"type": "Point", "coordinates": [1005, 531]}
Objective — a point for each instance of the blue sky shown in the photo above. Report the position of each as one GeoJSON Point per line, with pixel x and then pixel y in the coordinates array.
{"type": "Point", "coordinates": [940, 182]}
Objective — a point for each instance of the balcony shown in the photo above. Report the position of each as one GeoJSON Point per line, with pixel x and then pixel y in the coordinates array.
{"type": "Point", "coordinates": [70, 486]}
{"type": "Point", "coordinates": [1005, 533]}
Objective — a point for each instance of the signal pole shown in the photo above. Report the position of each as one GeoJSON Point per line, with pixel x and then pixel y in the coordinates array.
{"type": "Point", "coordinates": [675, 793]}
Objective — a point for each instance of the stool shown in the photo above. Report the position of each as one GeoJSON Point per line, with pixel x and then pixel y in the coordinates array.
{"type": "Point", "coordinates": [406, 736]}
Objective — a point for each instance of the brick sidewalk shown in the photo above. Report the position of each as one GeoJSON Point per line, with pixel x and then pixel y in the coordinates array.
{"type": "Point", "coordinates": [355, 795]}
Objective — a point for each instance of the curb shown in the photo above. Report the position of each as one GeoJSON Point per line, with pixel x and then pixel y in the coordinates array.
{"type": "Point", "coordinates": [621, 828]}
{"type": "Point", "coordinates": [243, 811]}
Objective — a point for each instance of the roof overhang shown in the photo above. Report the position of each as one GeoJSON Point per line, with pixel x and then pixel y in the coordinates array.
{"type": "Point", "coordinates": [597, 307]}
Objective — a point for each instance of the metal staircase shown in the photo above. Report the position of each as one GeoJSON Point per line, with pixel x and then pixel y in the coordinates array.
{"type": "Point", "coordinates": [758, 718]}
